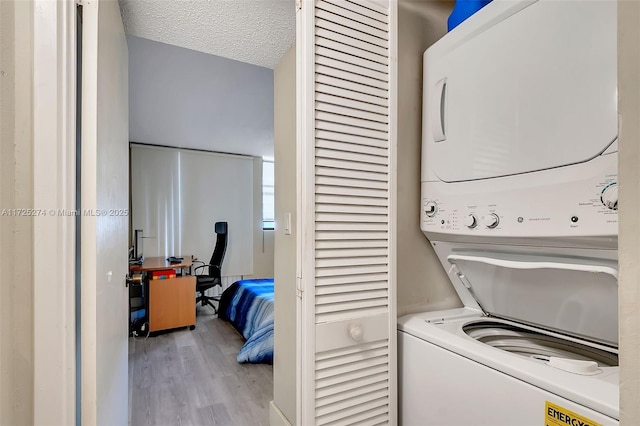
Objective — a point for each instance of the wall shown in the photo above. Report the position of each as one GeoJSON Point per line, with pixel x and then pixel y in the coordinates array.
{"type": "Point", "coordinates": [284, 377]}
{"type": "Point", "coordinates": [263, 241]}
{"type": "Point", "coordinates": [629, 231]}
{"type": "Point", "coordinates": [16, 233]}
{"type": "Point", "coordinates": [180, 97]}
{"type": "Point", "coordinates": [422, 282]}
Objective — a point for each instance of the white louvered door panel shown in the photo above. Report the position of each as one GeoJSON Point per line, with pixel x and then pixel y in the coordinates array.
{"type": "Point", "coordinates": [346, 158]}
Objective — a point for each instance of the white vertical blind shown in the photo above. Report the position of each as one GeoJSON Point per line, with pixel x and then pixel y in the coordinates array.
{"type": "Point", "coordinates": [177, 196]}
{"type": "Point", "coordinates": [347, 157]}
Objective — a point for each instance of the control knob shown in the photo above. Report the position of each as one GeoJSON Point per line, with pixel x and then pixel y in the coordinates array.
{"type": "Point", "coordinates": [491, 220]}
{"type": "Point", "coordinates": [470, 221]}
{"type": "Point", "coordinates": [609, 196]}
{"type": "Point", "coordinates": [430, 208]}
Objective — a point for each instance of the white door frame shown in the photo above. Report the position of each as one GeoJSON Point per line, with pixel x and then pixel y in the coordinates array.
{"type": "Point", "coordinates": [305, 334]}
{"type": "Point", "coordinates": [54, 179]}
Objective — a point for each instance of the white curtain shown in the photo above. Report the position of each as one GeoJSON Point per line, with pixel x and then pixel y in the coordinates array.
{"type": "Point", "coordinates": [178, 195]}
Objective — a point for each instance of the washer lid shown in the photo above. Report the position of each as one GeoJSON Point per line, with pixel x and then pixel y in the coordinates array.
{"type": "Point", "coordinates": [574, 295]}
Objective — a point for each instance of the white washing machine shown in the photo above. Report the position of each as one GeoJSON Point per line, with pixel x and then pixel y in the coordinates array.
{"type": "Point", "coordinates": [519, 201]}
{"type": "Point", "coordinates": [537, 338]}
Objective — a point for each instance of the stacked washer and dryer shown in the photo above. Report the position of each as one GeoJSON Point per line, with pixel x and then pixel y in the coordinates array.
{"type": "Point", "coordinates": [519, 201]}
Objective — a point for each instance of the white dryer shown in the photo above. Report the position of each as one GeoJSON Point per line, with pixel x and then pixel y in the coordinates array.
{"type": "Point", "coordinates": [519, 201]}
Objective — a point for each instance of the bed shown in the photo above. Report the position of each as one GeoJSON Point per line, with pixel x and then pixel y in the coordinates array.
{"type": "Point", "coordinates": [248, 306]}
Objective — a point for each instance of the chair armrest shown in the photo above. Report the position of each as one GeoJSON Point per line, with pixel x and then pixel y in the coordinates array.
{"type": "Point", "coordinates": [201, 268]}
{"type": "Point", "coordinates": [213, 271]}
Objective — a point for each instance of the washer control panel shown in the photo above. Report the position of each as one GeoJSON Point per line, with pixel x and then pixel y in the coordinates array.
{"type": "Point", "coordinates": [491, 220]}
{"type": "Point", "coordinates": [609, 196]}
{"type": "Point", "coordinates": [471, 221]}
{"type": "Point", "coordinates": [572, 201]}
{"type": "Point", "coordinates": [431, 208]}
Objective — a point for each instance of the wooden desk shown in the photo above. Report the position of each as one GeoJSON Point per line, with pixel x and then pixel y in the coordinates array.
{"type": "Point", "coordinates": [160, 263]}
{"type": "Point", "coordinates": [171, 302]}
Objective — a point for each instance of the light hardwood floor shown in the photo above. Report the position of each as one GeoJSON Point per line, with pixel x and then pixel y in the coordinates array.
{"type": "Point", "coordinates": [192, 378]}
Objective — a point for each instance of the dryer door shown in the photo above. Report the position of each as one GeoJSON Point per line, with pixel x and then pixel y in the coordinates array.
{"type": "Point", "coordinates": [520, 87]}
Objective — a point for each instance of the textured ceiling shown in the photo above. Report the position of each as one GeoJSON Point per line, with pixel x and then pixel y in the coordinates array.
{"type": "Point", "coordinates": [258, 32]}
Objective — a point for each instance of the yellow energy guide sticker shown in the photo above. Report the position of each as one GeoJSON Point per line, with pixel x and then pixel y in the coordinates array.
{"type": "Point", "coordinates": [556, 415]}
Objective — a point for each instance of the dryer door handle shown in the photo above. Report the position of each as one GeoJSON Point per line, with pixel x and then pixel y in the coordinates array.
{"type": "Point", "coordinates": [516, 264]}
{"type": "Point", "coordinates": [438, 103]}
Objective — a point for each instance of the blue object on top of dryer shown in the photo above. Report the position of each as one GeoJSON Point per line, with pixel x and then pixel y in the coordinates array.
{"type": "Point", "coordinates": [463, 10]}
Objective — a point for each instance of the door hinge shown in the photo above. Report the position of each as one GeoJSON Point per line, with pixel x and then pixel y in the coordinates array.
{"type": "Point", "coordinates": [299, 290]}
{"type": "Point", "coordinates": [298, 5]}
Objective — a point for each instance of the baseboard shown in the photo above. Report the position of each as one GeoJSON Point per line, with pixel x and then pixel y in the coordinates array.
{"type": "Point", "coordinates": [276, 418]}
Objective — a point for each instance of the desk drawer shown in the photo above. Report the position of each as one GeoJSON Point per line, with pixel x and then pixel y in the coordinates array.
{"type": "Point", "coordinates": [172, 303]}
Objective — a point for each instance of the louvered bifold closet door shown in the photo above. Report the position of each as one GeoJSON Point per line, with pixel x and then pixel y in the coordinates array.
{"type": "Point", "coordinates": [348, 284]}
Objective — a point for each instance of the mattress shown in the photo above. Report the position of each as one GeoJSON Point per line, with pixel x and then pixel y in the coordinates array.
{"type": "Point", "coordinates": [248, 306]}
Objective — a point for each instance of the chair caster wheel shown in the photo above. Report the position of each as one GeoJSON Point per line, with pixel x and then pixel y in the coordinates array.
{"type": "Point", "coordinates": [192, 327]}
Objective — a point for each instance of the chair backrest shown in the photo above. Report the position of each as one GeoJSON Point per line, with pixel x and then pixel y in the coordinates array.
{"type": "Point", "coordinates": [222, 233]}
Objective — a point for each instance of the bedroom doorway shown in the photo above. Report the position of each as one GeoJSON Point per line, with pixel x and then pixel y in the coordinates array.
{"type": "Point", "coordinates": [187, 100]}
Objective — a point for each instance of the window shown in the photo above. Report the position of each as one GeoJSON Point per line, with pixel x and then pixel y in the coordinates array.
{"type": "Point", "coordinates": [268, 197]}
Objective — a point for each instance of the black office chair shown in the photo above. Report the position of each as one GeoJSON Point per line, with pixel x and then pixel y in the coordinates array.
{"type": "Point", "coordinates": [211, 275]}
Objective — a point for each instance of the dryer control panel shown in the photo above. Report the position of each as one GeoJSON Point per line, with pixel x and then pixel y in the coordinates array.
{"type": "Point", "coordinates": [574, 201]}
